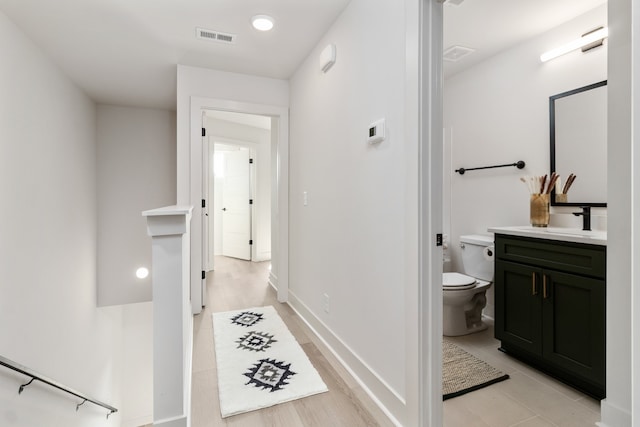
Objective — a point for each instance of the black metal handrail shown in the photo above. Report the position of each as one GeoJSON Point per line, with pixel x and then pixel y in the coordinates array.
{"type": "Point", "coordinates": [37, 377]}
{"type": "Point", "coordinates": [519, 164]}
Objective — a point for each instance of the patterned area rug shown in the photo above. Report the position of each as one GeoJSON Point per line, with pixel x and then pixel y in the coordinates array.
{"type": "Point", "coordinates": [260, 364]}
{"type": "Point", "coordinates": [463, 372]}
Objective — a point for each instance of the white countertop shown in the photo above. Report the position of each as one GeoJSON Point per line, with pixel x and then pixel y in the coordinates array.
{"type": "Point", "coordinates": [575, 235]}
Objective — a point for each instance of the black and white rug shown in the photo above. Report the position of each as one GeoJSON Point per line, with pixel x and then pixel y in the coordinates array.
{"type": "Point", "coordinates": [260, 364]}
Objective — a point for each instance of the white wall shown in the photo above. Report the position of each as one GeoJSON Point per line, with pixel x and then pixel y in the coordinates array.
{"type": "Point", "coordinates": [349, 241]}
{"type": "Point", "coordinates": [258, 139]}
{"type": "Point", "coordinates": [205, 83]}
{"type": "Point", "coordinates": [136, 172]}
{"type": "Point", "coordinates": [622, 279]}
{"type": "Point", "coordinates": [233, 90]}
{"type": "Point", "coordinates": [498, 112]}
{"type": "Point", "coordinates": [48, 231]}
{"type": "Point", "coordinates": [137, 369]}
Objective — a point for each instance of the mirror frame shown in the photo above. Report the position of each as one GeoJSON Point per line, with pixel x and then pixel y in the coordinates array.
{"type": "Point", "coordinates": [552, 140]}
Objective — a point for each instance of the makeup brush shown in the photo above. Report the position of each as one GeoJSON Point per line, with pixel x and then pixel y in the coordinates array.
{"type": "Point", "coordinates": [567, 184]}
{"type": "Point", "coordinates": [544, 180]}
{"type": "Point", "coordinates": [559, 184]}
{"type": "Point", "coordinates": [552, 182]}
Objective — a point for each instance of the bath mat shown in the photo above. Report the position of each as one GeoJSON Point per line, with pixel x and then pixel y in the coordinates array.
{"type": "Point", "coordinates": [260, 364]}
{"type": "Point", "coordinates": [463, 372]}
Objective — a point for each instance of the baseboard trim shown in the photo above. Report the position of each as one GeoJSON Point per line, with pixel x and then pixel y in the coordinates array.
{"type": "Point", "coordinates": [263, 256]}
{"type": "Point", "coordinates": [273, 281]}
{"type": "Point", "coordinates": [613, 415]}
{"type": "Point", "coordinates": [180, 421]}
{"type": "Point", "coordinates": [389, 402]}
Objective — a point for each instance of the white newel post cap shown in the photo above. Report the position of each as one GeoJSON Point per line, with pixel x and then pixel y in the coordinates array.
{"type": "Point", "coordinates": [168, 220]}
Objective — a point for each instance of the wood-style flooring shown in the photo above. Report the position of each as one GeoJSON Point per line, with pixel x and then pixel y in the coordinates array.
{"type": "Point", "coordinates": [528, 399]}
{"type": "Point", "coordinates": [237, 284]}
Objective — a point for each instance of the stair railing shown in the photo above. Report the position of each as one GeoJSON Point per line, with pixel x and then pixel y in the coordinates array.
{"type": "Point", "coordinates": [41, 378]}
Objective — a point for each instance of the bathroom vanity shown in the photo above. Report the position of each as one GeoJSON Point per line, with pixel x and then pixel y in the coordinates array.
{"type": "Point", "coordinates": [550, 295]}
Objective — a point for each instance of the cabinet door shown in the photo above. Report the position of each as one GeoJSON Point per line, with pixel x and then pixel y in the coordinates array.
{"type": "Point", "coordinates": [573, 326]}
{"type": "Point", "coordinates": [518, 306]}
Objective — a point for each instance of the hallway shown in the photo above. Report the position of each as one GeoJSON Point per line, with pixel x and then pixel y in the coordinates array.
{"type": "Point", "coordinates": [237, 284]}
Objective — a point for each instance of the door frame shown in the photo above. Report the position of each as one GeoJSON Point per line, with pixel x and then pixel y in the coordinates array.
{"type": "Point", "coordinates": [423, 291]}
{"type": "Point", "coordinates": [279, 277]}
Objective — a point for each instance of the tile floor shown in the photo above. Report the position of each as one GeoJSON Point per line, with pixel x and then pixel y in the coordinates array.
{"type": "Point", "coordinates": [528, 398]}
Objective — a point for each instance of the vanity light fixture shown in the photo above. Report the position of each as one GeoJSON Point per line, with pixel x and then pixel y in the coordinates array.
{"type": "Point", "coordinates": [587, 41]}
{"type": "Point", "coordinates": [262, 22]}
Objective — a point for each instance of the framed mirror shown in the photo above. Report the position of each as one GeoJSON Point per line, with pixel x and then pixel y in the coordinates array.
{"type": "Point", "coordinates": [578, 142]}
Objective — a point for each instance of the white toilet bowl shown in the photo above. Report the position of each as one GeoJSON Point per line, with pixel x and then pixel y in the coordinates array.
{"type": "Point", "coordinates": [462, 306]}
{"type": "Point", "coordinates": [464, 295]}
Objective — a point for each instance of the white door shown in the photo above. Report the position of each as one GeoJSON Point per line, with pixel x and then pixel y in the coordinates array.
{"type": "Point", "coordinates": [206, 201]}
{"type": "Point", "coordinates": [236, 207]}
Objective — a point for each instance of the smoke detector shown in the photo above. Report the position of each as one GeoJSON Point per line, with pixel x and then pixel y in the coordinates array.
{"type": "Point", "coordinates": [216, 36]}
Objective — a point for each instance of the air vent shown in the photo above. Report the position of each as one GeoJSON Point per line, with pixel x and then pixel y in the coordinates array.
{"type": "Point", "coordinates": [455, 53]}
{"type": "Point", "coordinates": [215, 36]}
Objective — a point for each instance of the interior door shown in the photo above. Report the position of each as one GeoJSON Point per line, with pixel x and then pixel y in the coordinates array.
{"type": "Point", "coordinates": [206, 200]}
{"type": "Point", "coordinates": [236, 207]}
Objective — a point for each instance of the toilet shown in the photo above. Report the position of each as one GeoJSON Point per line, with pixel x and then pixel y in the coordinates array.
{"type": "Point", "coordinates": [464, 295]}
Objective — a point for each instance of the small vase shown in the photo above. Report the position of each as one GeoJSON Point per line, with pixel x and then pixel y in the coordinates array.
{"type": "Point", "coordinates": [539, 210]}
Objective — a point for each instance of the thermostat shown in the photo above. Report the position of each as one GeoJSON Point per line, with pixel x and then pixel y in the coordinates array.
{"type": "Point", "coordinates": [376, 132]}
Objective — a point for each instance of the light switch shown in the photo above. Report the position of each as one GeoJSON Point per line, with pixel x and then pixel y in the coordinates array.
{"type": "Point", "coordinates": [305, 199]}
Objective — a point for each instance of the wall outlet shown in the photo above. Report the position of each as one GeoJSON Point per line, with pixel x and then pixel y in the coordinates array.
{"type": "Point", "coordinates": [325, 303]}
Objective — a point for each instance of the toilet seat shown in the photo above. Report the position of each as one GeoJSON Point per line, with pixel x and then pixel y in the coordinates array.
{"type": "Point", "coordinates": [457, 282]}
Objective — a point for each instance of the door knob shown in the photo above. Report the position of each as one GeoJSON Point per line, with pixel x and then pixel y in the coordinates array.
{"type": "Point", "coordinates": [224, 209]}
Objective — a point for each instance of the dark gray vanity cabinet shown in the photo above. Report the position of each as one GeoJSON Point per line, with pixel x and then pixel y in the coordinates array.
{"type": "Point", "coordinates": [550, 307]}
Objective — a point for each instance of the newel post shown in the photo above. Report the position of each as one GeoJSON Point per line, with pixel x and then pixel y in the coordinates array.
{"type": "Point", "coordinates": [172, 318]}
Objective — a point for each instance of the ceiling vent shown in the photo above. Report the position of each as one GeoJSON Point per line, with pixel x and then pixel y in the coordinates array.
{"type": "Point", "coordinates": [454, 2]}
{"type": "Point", "coordinates": [215, 36]}
{"type": "Point", "coordinates": [456, 53]}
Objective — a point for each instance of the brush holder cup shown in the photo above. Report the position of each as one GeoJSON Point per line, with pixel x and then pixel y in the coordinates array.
{"type": "Point", "coordinates": [561, 198]}
{"type": "Point", "coordinates": [539, 210]}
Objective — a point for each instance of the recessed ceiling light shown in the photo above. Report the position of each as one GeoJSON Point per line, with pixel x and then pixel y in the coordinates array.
{"type": "Point", "coordinates": [142, 273]}
{"type": "Point", "coordinates": [262, 22]}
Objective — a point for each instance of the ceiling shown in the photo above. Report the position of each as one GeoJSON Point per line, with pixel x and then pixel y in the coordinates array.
{"type": "Point", "coordinates": [490, 26]}
{"type": "Point", "coordinates": [124, 52]}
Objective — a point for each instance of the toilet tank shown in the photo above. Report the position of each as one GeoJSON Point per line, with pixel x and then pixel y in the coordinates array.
{"type": "Point", "coordinates": [476, 261]}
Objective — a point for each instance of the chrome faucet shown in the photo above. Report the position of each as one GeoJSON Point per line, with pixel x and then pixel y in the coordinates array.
{"type": "Point", "coordinates": [586, 217]}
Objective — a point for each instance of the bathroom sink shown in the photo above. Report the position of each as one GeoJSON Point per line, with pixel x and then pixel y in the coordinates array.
{"type": "Point", "coordinates": [590, 234]}
{"type": "Point", "coordinates": [573, 231]}
{"type": "Point", "coordinates": [576, 235]}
